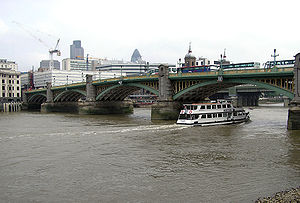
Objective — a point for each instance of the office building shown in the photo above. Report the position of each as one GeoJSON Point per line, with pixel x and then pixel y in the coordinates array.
{"type": "Point", "coordinates": [78, 65]}
{"type": "Point", "coordinates": [60, 77]}
{"type": "Point", "coordinates": [45, 65]}
{"type": "Point", "coordinates": [76, 51]}
{"type": "Point", "coordinates": [10, 85]}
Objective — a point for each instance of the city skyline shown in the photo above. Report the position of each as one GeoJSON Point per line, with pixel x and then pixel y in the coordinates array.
{"type": "Point", "coordinates": [161, 31]}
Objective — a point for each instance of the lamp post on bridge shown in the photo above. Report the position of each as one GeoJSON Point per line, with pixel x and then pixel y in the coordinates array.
{"type": "Point", "coordinates": [220, 75]}
{"type": "Point", "coordinates": [274, 56]}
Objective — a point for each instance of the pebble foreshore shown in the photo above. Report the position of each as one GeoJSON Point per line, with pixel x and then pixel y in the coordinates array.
{"type": "Point", "coordinates": [290, 196]}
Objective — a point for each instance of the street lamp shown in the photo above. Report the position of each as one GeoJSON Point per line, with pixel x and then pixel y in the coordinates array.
{"type": "Point", "coordinates": [275, 55]}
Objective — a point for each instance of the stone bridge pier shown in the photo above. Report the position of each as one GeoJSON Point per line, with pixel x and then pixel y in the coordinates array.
{"type": "Point", "coordinates": [165, 108]}
{"type": "Point", "coordinates": [294, 110]}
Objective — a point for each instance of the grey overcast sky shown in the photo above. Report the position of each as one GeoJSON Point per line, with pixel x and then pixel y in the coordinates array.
{"type": "Point", "coordinates": [160, 29]}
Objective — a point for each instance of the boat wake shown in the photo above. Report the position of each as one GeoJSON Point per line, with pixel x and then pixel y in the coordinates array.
{"type": "Point", "coordinates": [118, 130]}
{"type": "Point", "coordinates": [151, 128]}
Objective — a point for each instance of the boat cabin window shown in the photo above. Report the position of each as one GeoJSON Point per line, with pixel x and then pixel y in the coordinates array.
{"type": "Point", "coordinates": [188, 107]}
{"type": "Point", "coordinates": [219, 106]}
{"type": "Point", "coordinates": [224, 106]}
{"type": "Point", "coordinates": [191, 116]}
{"type": "Point", "coordinates": [234, 114]}
{"type": "Point", "coordinates": [215, 115]}
{"type": "Point", "coordinates": [228, 106]}
{"type": "Point", "coordinates": [219, 115]}
{"type": "Point", "coordinates": [209, 116]}
{"type": "Point", "coordinates": [203, 116]}
{"type": "Point", "coordinates": [183, 116]}
{"type": "Point", "coordinates": [208, 107]}
{"type": "Point", "coordinates": [194, 107]}
{"type": "Point", "coordinates": [214, 106]}
{"type": "Point", "coordinates": [225, 114]}
{"type": "Point", "coordinates": [202, 107]}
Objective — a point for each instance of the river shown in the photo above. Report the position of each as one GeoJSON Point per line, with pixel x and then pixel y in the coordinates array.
{"type": "Point", "coordinates": [127, 158]}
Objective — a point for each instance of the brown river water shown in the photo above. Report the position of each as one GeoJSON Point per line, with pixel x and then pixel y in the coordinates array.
{"type": "Point", "coordinates": [127, 158]}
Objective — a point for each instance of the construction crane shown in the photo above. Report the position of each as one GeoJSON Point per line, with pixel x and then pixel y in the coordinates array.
{"type": "Point", "coordinates": [51, 51]}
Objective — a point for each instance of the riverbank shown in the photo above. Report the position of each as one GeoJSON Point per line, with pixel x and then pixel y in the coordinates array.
{"type": "Point", "coordinates": [292, 195]}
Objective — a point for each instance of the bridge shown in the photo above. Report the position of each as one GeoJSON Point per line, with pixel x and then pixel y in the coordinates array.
{"type": "Point", "coordinates": [109, 96]}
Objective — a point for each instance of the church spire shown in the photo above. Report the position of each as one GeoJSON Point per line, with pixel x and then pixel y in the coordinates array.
{"type": "Point", "coordinates": [190, 47]}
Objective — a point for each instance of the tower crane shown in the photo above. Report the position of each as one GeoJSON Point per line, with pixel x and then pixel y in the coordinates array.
{"type": "Point", "coordinates": [51, 51]}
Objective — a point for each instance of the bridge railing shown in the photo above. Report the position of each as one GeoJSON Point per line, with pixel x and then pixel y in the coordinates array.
{"type": "Point", "coordinates": [265, 70]}
{"type": "Point", "coordinates": [126, 78]}
{"type": "Point", "coordinates": [231, 72]}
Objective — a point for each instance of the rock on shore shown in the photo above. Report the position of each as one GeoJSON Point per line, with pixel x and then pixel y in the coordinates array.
{"type": "Point", "coordinates": [292, 195]}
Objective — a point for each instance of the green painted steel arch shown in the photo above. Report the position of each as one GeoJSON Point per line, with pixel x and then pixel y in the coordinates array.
{"type": "Point", "coordinates": [241, 81]}
{"type": "Point", "coordinates": [154, 91]}
{"type": "Point", "coordinates": [36, 95]}
{"type": "Point", "coordinates": [73, 90]}
{"type": "Point", "coordinates": [129, 84]}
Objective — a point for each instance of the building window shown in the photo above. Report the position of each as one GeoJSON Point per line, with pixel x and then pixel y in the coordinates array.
{"type": "Point", "coordinates": [18, 88]}
{"type": "Point", "coordinates": [3, 87]}
{"type": "Point", "coordinates": [18, 94]}
{"type": "Point", "coordinates": [3, 94]}
{"type": "Point", "coordinates": [18, 81]}
{"type": "Point", "coordinates": [3, 81]}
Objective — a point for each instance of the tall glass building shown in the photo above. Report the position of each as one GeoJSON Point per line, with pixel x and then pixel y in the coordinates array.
{"type": "Point", "coordinates": [76, 51]}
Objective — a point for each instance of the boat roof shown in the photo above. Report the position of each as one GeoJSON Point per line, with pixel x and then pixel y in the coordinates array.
{"type": "Point", "coordinates": [211, 102]}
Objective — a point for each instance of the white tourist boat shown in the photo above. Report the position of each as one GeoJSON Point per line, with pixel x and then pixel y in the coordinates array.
{"type": "Point", "coordinates": [212, 113]}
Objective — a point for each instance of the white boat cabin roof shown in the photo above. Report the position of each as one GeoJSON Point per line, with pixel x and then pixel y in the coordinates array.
{"type": "Point", "coordinates": [209, 103]}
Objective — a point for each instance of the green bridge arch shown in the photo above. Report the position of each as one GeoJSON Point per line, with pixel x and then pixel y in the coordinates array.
{"type": "Point", "coordinates": [32, 97]}
{"type": "Point", "coordinates": [67, 91]}
{"type": "Point", "coordinates": [128, 84]}
{"type": "Point", "coordinates": [284, 92]}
